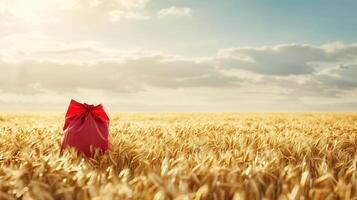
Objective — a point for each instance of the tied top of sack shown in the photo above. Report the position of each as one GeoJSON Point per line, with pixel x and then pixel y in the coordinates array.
{"type": "Point", "coordinates": [86, 128]}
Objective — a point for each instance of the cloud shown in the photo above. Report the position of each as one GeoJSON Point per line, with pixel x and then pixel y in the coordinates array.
{"type": "Point", "coordinates": [287, 76]}
{"type": "Point", "coordinates": [342, 77]}
{"type": "Point", "coordinates": [68, 50]}
{"type": "Point", "coordinates": [174, 11]}
{"type": "Point", "coordinates": [38, 46]}
{"type": "Point", "coordinates": [118, 15]}
{"type": "Point", "coordinates": [286, 59]}
{"type": "Point", "coordinates": [130, 75]}
{"type": "Point", "coordinates": [133, 3]}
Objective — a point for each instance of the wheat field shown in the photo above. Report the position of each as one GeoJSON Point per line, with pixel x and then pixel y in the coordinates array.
{"type": "Point", "coordinates": [185, 156]}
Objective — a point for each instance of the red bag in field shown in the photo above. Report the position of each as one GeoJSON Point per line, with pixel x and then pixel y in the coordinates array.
{"type": "Point", "coordinates": [86, 128]}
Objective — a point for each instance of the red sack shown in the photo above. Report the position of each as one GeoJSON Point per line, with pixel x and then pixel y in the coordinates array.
{"type": "Point", "coordinates": [86, 127]}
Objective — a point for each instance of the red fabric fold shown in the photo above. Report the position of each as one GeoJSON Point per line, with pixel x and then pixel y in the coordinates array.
{"type": "Point", "coordinates": [86, 127]}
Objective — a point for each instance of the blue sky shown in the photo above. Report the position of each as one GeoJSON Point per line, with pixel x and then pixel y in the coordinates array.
{"type": "Point", "coordinates": [179, 55]}
{"type": "Point", "coordinates": [214, 25]}
{"type": "Point", "coordinates": [255, 23]}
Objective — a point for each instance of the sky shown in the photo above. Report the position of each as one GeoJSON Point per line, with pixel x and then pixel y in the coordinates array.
{"type": "Point", "coordinates": [179, 55]}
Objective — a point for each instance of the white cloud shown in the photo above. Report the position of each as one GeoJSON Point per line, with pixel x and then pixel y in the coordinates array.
{"type": "Point", "coordinates": [342, 77]}
{"type": "Point", "coordinates": [35, 65]}
{"type": "Point", "coordinates": [130, 4]}
{"type": "Point", "coordinates": [129, 75]}
{"type": "Point", "coordinates": [174, 11]}
{"type": "Point", "coordinates": [286, 59]}
{"type": "Point", "coordinates": [38, 46]}
{"type": "Point", "coordinates": [118, 15]}
{"type": "Point", "coordinates": [95, 3]}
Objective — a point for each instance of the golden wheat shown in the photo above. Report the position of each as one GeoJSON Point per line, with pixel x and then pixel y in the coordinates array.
{"type": "Point", "coordinates": [185, 156]}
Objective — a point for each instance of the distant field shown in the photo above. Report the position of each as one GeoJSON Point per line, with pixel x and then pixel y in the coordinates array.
{"type": "Point", "coordinates": [185, 156]}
